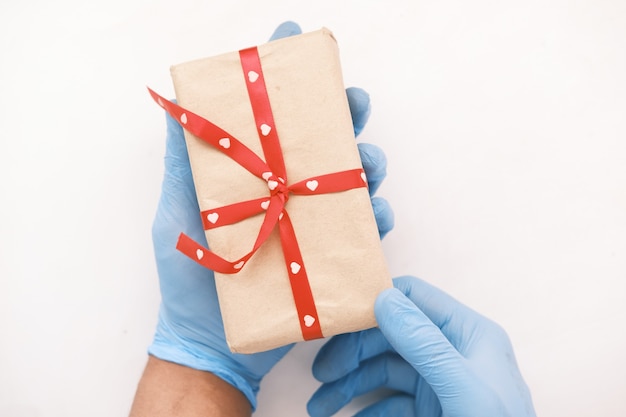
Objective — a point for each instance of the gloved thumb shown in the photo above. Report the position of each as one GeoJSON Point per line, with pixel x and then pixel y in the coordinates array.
{"type": "Point", "coordinates": [178, 207]}
{"type": "Point", "coordinates": [421, 343]}
{"type": "Point", "coordinates": [176, 157]}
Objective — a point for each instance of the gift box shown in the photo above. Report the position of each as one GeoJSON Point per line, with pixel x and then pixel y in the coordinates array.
{"type": "Point", "coordinates": [281, 190]}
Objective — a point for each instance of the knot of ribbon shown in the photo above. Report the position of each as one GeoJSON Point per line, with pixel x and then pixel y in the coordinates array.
{"type": "Point", "coordinates": [273, 172]}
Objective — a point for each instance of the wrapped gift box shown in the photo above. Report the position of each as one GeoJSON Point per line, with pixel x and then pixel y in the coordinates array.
{"type": "Point", "coordinates": [341, 256]}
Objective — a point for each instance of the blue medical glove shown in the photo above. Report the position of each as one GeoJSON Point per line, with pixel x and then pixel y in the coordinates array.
{"type": "Point", "coordinates": [438, 357]}
{"type": "Point", "coordinates": [190, 330]}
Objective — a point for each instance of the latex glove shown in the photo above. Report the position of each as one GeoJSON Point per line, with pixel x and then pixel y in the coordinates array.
{"type": "Point", "coordinates": [190, 330]}
{"type": "Point", "coordinates": [438, 356]}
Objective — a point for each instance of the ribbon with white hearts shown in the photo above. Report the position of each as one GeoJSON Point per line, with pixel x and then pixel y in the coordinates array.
{"type": "Point", "coordinates": [274, 174]}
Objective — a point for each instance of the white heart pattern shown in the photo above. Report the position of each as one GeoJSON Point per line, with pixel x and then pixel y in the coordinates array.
{"type": "Point", "coordinates": [309, 320]}
{"type": "Point", "coordinates": [199, 254]}
{"type": "Point", "coordinates": [265, 129]}
{"type": "Point", "coordinates": [224, 143]}
{"type": "Point", "coordinates": [183, 118]}
{"type": "Point", "coordinates": [212, 217]}
{"type": "Point", "coordinates": [295, 267]}
{"type": "Point", "coordinates": [160, 102]}
{"type": "Point", "coordinates": [271, 184]}
{"type": "Point", "coordinates": [266, 175]}
{"type": "Point", "coordinates": [312, 185]}
{"type": "Point", "coordinates": [239, 265]}
{"type": "Point", "coordinates": [253, 76]}
{"type": "Point", "coordinates": [265, 204]}
{"type": "Point", "coordinates": [280, 216]}
{"type": "Point", "coordinates": [363, 177]}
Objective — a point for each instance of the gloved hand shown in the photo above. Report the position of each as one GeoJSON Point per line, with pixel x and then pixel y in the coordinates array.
{"type": "Point", "coordinates": [190, 330]}
{"type": "Point", "coordinates": [437, 355]}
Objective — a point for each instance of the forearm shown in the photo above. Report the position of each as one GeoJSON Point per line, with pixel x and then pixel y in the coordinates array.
{"type": "Point", "coordinates": [170, 390]}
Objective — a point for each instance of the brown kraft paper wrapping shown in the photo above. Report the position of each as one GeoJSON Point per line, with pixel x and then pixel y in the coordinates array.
{"type": "Point", "coordinates": [336, 232]}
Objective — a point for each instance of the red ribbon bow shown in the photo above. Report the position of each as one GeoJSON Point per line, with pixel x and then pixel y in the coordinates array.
{"type": "Point", "coordinates": [274, 174]}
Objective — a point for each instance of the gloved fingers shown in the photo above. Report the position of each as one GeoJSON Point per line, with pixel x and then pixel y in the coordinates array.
{"type": "Point", "coordinates": [343, 353]}
{"type": "Point", "coordinates": [360, 108]}
{"type": "Point", "coordinates": [384, 371]}
{"type": "Point", "coordinates": [374, 164]}
{"type": "Point", "coordinates": [384, 215]}
{"type": "Point", "coordinates": [422, 344]}
{"type": "Point", "coordinates": [399, 405]}
{"type": "Point", "coordinates": [285, 30]}
{"type": "Point", "coordinates": [423, 403]}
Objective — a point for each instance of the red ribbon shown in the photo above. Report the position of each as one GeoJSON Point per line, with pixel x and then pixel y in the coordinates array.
{"type": "Point", "coordinates": [274, 174]}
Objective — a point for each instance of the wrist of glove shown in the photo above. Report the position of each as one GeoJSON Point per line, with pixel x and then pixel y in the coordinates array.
{"type": "Point", "coordinates": [170, 345]}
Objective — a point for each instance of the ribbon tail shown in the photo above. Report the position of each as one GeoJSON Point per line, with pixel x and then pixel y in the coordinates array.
{"type": "Point", "coordinates": [208, 259]}
{"type": "Point", "coordinates": [213, 135]}
{"type": "Point", "coordinates": [233, 213]}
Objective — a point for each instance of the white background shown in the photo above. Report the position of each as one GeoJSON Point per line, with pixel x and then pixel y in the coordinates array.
{"type": "Point", "coordinates": [504, 123]}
